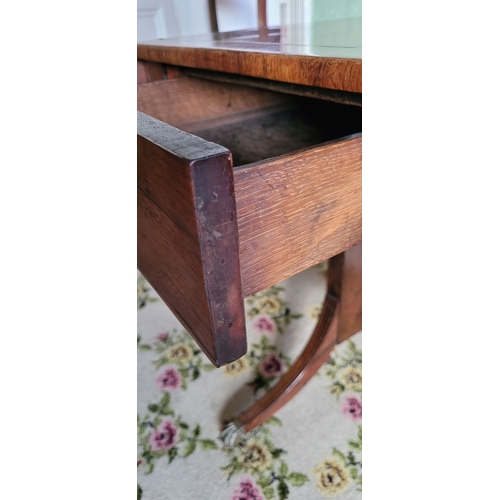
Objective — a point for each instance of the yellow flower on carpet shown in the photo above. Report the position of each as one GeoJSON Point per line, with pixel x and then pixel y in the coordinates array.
{"type": "Point", "coordinates": [314, 311]}
{"type": "Point", "coordinates": [255, 456]}
{"type": "Point", "coordinates": [228, 471]}
{"type": "Point", "coordinates": [180, 353]}
{"type": "Point", "coordinates": [236, 367]}
{"type": "Point", "coordinates": [351, 377]}
{"type": "Point", "coordinates": [268, 305]}
{"type": "Point", "coordinates": [331, 476]}
{"type": "Point", "coordinates": [336, 390]}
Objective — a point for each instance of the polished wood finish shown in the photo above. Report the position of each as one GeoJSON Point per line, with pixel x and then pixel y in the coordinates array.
{"type": "Point", "coordinates": [187, 235]}
{"type": "Point", "coordinates": [339, 74]}
{"type": "Point", "coordinates": [350, 320]}
{"type": "Point", "coordinates": [339, 319]}
{"type": "Point", "coordinates": [270, 97]}
{"type": "Point", "coordinates": [309, 202]}
{"type": "Point", "coordinates": [297, 210]}
{"type": "Point", "coordinates": [209, 234]}
{"type": "Point", "coordinates": [149, 72]}
{"type": "Point", "coordinates": [338, 96]}
{"type": "Point", "coordinates": [324, 54]}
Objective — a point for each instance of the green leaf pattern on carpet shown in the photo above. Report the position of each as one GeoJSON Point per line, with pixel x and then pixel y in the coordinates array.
{"type": "Point", "coordinates": [257, 468]}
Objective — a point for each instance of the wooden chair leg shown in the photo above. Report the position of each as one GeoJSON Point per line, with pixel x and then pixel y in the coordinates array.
{"type": "Point", "coordinates": [212, 10]}
{"type": "Point", "coordinates": [339, 319]}
{"type": "Point", "coordinates": [262, 14]}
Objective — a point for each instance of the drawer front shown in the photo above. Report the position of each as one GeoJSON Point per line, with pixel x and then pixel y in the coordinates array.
{"type": "Point", "coordinates": [210, 232]}
{"type": "Point", "coordinates": [297, 210]}
{"type": "Point", "coordinates": [187, 235]}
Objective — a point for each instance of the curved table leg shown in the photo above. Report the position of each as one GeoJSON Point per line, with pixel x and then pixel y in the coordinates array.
{"type": "Point", "coordinates": [339, 319]}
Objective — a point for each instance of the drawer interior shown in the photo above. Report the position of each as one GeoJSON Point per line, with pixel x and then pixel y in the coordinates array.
{"type": "Point", "coordinates": [254, 124]}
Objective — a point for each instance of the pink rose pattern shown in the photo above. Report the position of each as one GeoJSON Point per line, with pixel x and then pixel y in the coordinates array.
{"type": "Point", "coordinates": [272, 366]}
{"type": "Point", "coordinates": [169, 379]}
{"type": "Point", "coordinates": [352, 408]}
{"type": "Point", "coordinates": [165, 437]}
{"type": "Point", "coordinates": [247, 491]}
{"type": "Point", "coordinates": [264, 324]}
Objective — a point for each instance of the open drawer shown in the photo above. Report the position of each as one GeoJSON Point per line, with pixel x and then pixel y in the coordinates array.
{"type": "Point", "coordinates": [238, 189]}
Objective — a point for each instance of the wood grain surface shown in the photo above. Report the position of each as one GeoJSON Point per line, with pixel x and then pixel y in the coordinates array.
{"type": "Point", "coordinates": [210, 234]}
{"type": "Point", "coordinates": [339, 96]}
{"type": "Point", "coordinates": [187, 235]}
{"type": "Point", "coordinates": [340, 318]}
{"type": "Point", "coordinates": [337, 74]}
{"type": "Point", "coordinates": [294, 210]}
{"type": "Point", "coordinates": [297, 210]}
{"type": "Point", "coordinates": [149, 72]}
{"type": "Point", "coordinates": [191, 103]}
{"type": "Point", "coordinates": [350, 318]}
{"type": "Point", "coordinates": [322, 54]}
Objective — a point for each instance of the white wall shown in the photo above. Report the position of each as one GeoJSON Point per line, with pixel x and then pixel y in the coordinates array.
{"type": "Point", "coordinates": [242, 14]}
{"type": "Point", "coordinates": [170, 18]}
{"type": "Point", "coordinates": [193, 17]}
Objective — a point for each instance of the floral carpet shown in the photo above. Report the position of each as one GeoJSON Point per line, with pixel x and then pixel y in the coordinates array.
{"type": "Point", "coordinates": [311, 448]}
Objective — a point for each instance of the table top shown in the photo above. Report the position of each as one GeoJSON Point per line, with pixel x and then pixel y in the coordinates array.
{"type": "Point", "coordinates": [323, 54]}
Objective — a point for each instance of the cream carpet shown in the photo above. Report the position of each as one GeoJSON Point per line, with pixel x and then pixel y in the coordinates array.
{"type": "Point", "coordinates": [311, 449]}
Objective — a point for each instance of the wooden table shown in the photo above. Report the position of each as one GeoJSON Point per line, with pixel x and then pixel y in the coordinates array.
{"type": "Point", "coordinates": [249, 171]}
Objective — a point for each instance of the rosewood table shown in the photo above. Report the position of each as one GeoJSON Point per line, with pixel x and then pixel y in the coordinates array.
{"type": "Point", "coordinates": [249, 171]}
